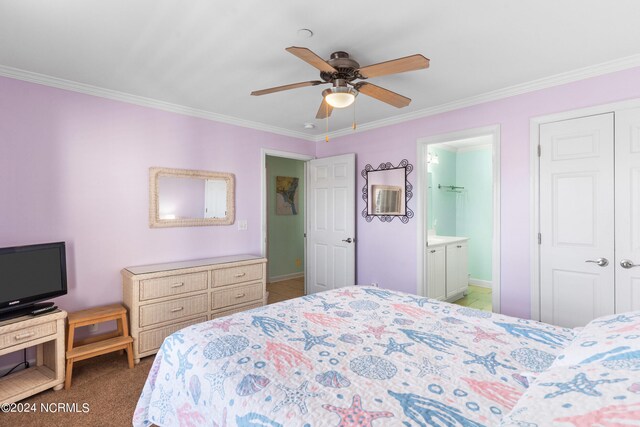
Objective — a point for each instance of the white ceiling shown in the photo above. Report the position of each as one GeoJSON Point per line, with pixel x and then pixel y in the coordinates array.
{"type": "Point", "coordinates": [210, 54]}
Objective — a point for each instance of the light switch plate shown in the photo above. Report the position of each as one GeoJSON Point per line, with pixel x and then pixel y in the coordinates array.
{"type": "Point", "coordinates": [242, 224]}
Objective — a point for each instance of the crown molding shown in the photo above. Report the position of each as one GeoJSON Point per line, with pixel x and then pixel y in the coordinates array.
{"type": "Point", "coordinates": [543, 83]}
{"type": "Point", "coordinates": [531, 86]}
{"type": "Point", "coordinates": [29, 76]}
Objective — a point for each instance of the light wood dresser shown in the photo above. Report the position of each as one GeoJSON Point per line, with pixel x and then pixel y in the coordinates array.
{"type": "Point", "coordinates": [164, 298]}
{"type": "Point", "coordinates": [46, 333]}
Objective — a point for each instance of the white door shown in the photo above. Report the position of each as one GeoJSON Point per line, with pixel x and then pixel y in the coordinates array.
{"type": "Point", "coordinates": [331, 227]}
{"type": "Point", "coordinates": [627, 193]}
{"type": "Point", "coordinates": [436, 273]}
{"type": "Point", "coordinates": [577, 220]}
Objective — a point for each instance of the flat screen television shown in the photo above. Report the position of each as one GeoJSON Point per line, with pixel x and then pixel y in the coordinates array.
{"type": "Point", "coordinates": [30, 274]}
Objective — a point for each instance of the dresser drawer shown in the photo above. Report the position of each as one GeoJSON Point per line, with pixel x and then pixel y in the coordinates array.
{"type": "Point", "coordinates": [235, 295]}
{"type": "Point", "coordinates": [231, 275]}
{"type": "Point", "coordinates": [172, 285]}
{"type": "Point", "coordinates": [179, 308]}
{"type": "Point", "coordinates": [152, 339]}
{"type": "Point", "coordinates": [30, 333]}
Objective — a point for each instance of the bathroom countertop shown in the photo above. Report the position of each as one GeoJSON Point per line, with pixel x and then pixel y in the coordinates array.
{"type": "Point", "coordinates": [444, 240]}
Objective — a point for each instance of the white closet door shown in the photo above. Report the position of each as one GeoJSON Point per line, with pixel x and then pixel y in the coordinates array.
{"type": "Point", "coordinates": [331, 223]}
{"type": "Point", "coordinates": [577, 220]}
{"type": "Point", "coordinates": [627, 210]}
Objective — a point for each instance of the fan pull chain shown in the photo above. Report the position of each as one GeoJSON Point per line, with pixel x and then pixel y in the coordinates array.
{"type": "Point", "coordinates": [353, 126]}
{"type": "Point", "coordinates": [326, 138]}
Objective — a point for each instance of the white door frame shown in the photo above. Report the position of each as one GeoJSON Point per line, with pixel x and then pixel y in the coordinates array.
{"type": "Point", "coordinates": [264, 152]}
{"type": "Point", "coordinates": [421, 203]}
{"type": "Point", "coordinates": [534, 173]}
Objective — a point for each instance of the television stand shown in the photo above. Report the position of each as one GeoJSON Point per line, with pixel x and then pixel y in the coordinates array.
{"type": "Point", "coordinates": [32, 309]}
{"type": "Point", "coordinates": [47, 334]}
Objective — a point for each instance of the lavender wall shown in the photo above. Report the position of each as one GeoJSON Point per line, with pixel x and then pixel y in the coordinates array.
{"type": "Point", "coordinates": [75, 168]}
{"type": "Point", "coordinates": [387, 253]}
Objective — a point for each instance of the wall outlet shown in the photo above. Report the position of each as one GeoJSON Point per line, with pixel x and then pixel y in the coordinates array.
{"type": "Point", "coordinates": [374, 284]}
{"type": "Point", "coordinates": [93, 328]}
{"type": "Point", "coordinates": [242, 224]}
{"type": "Point", "coordinates": [298, 262]}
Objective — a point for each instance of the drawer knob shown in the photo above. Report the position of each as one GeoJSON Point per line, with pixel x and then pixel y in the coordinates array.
{"type": "Point", "coordinates": [240, 275]}
{"type": "Point", "coordinates": [25, 335]}
{"type": "Point", "coordinates": [174, 310]}
{"type": "Point", "coordinates": [177, 285]}
{"type": "Point", "coordinates": [459, 246]}
{"type": "Point", "coordinates": [433, 251]}
{"type": "Point", "coordinates": [240, 295]}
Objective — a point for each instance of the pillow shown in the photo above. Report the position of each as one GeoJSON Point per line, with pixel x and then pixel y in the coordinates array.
{"type": "Point", "coordinates": [613, 341]}
{"type": "Point", "coordinates": [580, 395]}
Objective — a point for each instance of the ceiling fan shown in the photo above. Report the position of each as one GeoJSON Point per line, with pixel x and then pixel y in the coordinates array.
{"type": "Point", "coordinates": [341, 71]}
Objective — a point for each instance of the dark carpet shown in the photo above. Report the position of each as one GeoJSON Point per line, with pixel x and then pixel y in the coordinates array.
{"type": "Point", "coordinates": [105, 383]}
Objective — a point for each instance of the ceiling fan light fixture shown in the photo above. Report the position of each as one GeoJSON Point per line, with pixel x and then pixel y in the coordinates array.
{"type": "Point", "coordinates": [340, 96]}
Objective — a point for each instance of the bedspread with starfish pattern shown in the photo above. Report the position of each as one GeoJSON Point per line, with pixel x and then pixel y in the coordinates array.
{"type": "Point", "coordinates": [595, 381]}
{"type": "Point", "coordinates": [356, 356]}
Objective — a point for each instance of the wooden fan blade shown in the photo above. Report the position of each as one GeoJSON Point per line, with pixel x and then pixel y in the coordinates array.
{"type": "Point", "coordinates": [324, 111]}
{"type": "Point", "coordinates": [286, 87]}
{"type": "Point", "coordinates": [311, 58]}
{"type": "Point", "coordinates": [400, 65]}
{"type": "Point", "coordinates": [382, 94]}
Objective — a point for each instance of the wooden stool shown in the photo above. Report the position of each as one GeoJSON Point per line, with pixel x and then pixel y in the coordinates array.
{"type": "Point", "coordinates": [101, 344]}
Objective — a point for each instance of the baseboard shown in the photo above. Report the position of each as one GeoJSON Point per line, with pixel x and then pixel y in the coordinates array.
{"type": "Point", "coordinates": [480, 283]}
{"type": "Point", "coordinates": [455, 297]}
{"type": "Point", "coordinates": [284, 277]}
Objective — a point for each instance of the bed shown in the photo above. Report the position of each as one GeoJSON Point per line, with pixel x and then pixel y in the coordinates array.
{"type": "Point", "coordinates": [364, 356]}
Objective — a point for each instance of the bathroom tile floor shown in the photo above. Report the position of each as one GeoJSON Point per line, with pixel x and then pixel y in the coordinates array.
{"type": "Point", "coordinates": [477, 297]}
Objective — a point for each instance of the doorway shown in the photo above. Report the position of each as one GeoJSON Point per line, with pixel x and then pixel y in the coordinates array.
{"type": "Point", "coordinates": [328, 208]}
{"type": "Point", "coordinates": [283, 214]}
{"type": "Point", "coordinates": [458, 214]}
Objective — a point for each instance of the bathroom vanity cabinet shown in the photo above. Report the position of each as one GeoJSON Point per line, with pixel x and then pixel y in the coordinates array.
{"type": "Point", "coordinates": [447, 267]}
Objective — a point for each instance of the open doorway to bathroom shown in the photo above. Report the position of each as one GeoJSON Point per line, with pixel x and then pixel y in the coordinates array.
{"type": "Point", "coordinates": [285, 214]}
{"type": "Point", "coordinates": [460, 197]}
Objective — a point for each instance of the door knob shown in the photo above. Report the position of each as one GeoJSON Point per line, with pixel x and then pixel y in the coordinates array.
{"type": "Point", "coordinates": [602, 262]}
{"type": "Point", "coordinates": [627, 263]}
{"type": "Point", "coordinates": [348, 240]}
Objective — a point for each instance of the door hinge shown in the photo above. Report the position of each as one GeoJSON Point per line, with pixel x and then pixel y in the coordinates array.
{"type": "Point", "coordinates": [539, 151]}
{"type": "Point", "coordinates": [305, 235]}
{"type": "Point", "coordinates": [539, 238]}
